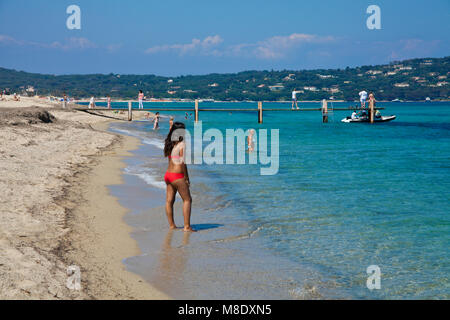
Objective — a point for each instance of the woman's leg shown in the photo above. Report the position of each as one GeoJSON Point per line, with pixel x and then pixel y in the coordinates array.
{"type": "Point", "coordinates": [183, 190]}
{"type": "Point", "coordinates": [170, 199]}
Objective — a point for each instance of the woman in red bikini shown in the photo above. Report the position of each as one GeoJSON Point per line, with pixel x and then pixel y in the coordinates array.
{"type": "Point", "coordinates": [177, 177]}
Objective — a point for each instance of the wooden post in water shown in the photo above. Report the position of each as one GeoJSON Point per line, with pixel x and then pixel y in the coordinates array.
{"type": "Point", "coordinates": [196, 110]}
{"type": "Point", "coordinates": [260, 112]}
{"type": "Point", "coordinates": [371, 111]}
{"type": "Point", "coordinates": [130, 111]}
{"type": "Point", "coordinates": [324, 111]}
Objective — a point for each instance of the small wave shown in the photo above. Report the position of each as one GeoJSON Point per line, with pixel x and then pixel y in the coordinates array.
{"type": "Point", "coordinates": [307, 292]}
{"type": "Point", "coordinates": [149, 141]}
{"type": "Point", "coordinates": [147, 176]}
{"type": "Point", "coordinates": [239, 237]}
{"type": "Point", "coordinates": [154, 142]}
{"type": "Point", "coordinates": [127, 132]}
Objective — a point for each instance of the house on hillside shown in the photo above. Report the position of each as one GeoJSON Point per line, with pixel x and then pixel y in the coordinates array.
{"type": "Point", "coordinates": [374, 72]}
{"type": "Point", "coordinates": [326, 76]}
{"type": "Point", "coordinates": [30, 91]}
{"type": "Point", "coordinates": [331, 90]}
{"type": "Point", "coordinates": [277, 87]}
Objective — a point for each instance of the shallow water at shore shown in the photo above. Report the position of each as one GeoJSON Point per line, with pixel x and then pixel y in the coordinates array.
{"type": "Point", "coordinates": [213, 263]}
{"type": "Point", "coordinates": [346, 197]}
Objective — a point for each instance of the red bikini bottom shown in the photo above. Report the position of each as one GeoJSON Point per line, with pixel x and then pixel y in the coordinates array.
{"type": "Point", "coordinates": [170, 177]}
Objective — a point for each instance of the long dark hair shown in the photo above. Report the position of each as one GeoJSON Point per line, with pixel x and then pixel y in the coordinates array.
{"type": "Point", "coordinates": [170, 143]}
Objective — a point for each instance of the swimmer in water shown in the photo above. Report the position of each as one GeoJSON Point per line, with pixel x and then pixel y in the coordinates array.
{"type": "Point", "coordinates": [250, 142]}
{"type": "Point", "coordinates": [156, 121]}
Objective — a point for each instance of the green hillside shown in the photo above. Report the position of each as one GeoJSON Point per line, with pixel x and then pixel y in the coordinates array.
{"type": "Point", "coordinates": [413, 79]}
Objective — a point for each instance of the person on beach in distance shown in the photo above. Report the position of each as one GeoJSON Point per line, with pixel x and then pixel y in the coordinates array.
{"type": "Point", "coordinates": [363, 98]}
{"type": "Point", "coordinates": [92, 103]}
{"type": "Point", "coordinates": [141, 98]}
{"type": "Point", "coordinates": [65, 101]}
{"type": "Point", "coordinates": [177, 177]}
{"type": "Point", "coordinates": [294, 99]}
{"type": "Point", "coordinates": [108, 102]}
{"type": "Point", "coordinates": [156, 121]}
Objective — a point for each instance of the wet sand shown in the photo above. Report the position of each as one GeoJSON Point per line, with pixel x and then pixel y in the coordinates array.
{"type": "Point", "coordinates": [99, 231]}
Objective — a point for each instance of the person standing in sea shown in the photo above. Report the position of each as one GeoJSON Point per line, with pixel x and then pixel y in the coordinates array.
{"type": "Point", "coordinates": [156, 121]}
{"type": "Point", "coordinates": [250, 142]}
{"type": "Point", "coordinates": [177, 177]}
{"type": "Point", "coordinates": [108, 101]}
{"type": "Point", "coordinates": [372, 98]}
{"type": "Point", "coordinates": [141, 98]}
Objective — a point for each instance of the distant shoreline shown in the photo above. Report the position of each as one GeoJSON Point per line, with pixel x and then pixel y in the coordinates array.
{"type": "Point", "coordinates": [408, 80]}
{"type": "Point", "coordinates": [265, 101]}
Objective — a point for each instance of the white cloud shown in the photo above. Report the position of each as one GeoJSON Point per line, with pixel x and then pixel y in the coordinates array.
{"type": "Point", "coordinates": [204, 46]}
{"type": "Point", "coordinates": [9, 40]}
{"type": "Point", "coordinates": [278, 46]}
{"type": "Point", "coordinates": [72, 43]}
{"type": "Point", "coordinates": [114, 47]}
{"type": "Point", "coordinates": [410, 48]}
{"type": "Point", "coordinates": [272, 48]}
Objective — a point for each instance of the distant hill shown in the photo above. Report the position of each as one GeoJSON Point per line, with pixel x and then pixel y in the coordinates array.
{"type": "Point", "coordinates": [413, 79]}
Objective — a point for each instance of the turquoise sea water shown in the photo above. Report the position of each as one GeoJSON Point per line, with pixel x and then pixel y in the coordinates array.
{"type": "Point", "coordinates": [346, 196]}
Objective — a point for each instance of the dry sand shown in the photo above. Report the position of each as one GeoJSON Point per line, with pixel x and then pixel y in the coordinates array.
{"type": "Point", "coordinates": [55, 209]}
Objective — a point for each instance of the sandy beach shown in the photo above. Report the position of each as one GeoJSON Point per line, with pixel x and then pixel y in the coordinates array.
{"type": "Point", "coordinates": [55, 209]}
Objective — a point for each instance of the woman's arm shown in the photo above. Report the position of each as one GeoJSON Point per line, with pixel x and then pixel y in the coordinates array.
{"type": "Point", "coordinates": [185, 170]}
{"type": "Point", "coordinates": [186, 174]}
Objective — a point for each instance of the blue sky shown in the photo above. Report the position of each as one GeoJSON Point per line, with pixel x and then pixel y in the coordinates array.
{"type": "Point", "coordinates": [199, 36]}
